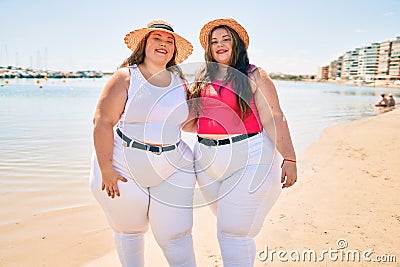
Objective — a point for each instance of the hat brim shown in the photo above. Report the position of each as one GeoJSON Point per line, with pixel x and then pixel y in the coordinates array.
{"type": "Point", "coordinates": [183, 47]}
{"type": "Point", "coordinates": [209, 26]}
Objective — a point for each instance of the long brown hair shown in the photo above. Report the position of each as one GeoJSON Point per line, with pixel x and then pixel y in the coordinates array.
{"type": "Point", "coordinates": [240, 83]}
{"type": "Point", "coordinates": [137, 57]}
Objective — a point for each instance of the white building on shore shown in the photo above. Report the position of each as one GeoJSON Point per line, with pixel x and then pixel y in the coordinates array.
{"type": "Point", "coordinates": [375, 62]}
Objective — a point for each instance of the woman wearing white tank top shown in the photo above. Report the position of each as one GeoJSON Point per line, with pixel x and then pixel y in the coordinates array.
{"type": "Point", "coordinates": [142, 172]}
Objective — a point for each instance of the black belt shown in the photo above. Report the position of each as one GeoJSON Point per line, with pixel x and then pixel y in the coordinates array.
{"type": "Point", "coordinates": [155, 149]}
{"type": "Point", "coordinates": [221, 142]}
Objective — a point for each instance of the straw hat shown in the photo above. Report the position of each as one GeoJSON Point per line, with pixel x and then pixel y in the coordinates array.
{"type": "Point", "coordinates": [207, 28]}
{"type": "Point", "coordinates": [183, 47]}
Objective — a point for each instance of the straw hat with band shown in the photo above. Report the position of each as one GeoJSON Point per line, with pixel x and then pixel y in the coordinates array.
{"type": "Point", "coordinates": [183, 47]}
{"type": "Point", "coordinates": [231, 23]}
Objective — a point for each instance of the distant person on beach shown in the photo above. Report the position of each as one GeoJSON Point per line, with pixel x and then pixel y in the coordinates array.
{"type": "Point", "coordinates": [244, 154]}
{"type": "Point", "coordinates": [383, 102]}
{"type": "Point", "coordinates": [391, 101]}
{"type": "Point", "coordinates": [140, 161]}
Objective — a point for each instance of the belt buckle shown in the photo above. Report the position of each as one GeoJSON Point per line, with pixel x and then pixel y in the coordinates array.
{"type": "Point", "coordinates": [211, 142]}
{"type": "Point", "coordinates": [126, 144]}
{"type": "Point", "coordinates": [158, 153]}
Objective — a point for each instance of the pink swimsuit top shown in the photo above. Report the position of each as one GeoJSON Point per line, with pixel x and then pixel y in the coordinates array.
{"type": "Point", "coordinates": [220, 113]}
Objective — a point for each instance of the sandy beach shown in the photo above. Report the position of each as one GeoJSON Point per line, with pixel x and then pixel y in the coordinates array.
{"type": "Point", "coordinates": [347, 190]}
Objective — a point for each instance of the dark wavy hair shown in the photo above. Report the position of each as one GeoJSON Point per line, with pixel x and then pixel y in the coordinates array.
{"type": "Point", "coordinates": [239, 64]}
{"type": "Point", "coordinates": [137, 57]}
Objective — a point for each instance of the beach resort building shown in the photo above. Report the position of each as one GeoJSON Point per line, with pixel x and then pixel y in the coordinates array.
{"type": "Point", "coordinates": [323, 73]}
{"type": "Point", "coordinates": [368, 61]}
{"type": "Point", "coordinates": [384, 59]}
{"type": "Point", "coordinates": [339, 67]}
{"type": "Point", "coordinates": [394, 63]}
{"type": "Point", "coordinates": [350, 64]}
{"type": "Point", "coordinates": [333, 69]}
{"type": "Point", "coordinates": [375, 62]}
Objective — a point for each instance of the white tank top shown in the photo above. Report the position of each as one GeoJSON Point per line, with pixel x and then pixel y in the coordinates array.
{"type": "Point", "coordinates": [154, 114]}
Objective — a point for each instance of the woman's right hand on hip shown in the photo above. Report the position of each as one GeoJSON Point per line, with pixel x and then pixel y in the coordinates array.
{"type": "Point", "coordinates": [109, 182]}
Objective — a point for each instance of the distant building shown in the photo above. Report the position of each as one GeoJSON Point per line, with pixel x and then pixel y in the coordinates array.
{"type": "Point", "coordinates": [339, 67]}
{"type": "Point", "coordinates": [383, 61]}
{"type": "Point", "coordinates": [346, 65]}
{"type": "Point", "coordinates": [350, 64]}
{"type": "Point", "coordinates": [377, 61]}
{"type": "Point", "coordinates": [332, 72]}
{"type": "Point", "coordinates": [394, 64]}
{"type": "Point", "coordinates": [368, 61]}
{"type": "Point", "coordinates": [323, 73]}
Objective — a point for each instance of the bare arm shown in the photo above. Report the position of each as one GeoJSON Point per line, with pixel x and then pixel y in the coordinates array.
{"type": "Point", "coordinates": [274, 122]}
{"type": "Point", "coordinates": [190, 125]}
{"type": "Point", "coordinates": [108, 111]}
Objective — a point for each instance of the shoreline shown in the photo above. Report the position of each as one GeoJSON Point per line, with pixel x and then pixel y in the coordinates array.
{"type": "Point", "coordinates": [349, 83]}
{"type": "Point", "coordinates": [347, 188]}
{"type": "Point", "coordinates": [360, 83]}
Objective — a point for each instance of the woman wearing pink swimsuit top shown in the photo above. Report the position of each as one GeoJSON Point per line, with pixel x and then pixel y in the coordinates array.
{"type": "Point", "coordinates": [244, 155]}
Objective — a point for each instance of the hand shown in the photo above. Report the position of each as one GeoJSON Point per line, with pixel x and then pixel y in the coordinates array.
{"type": "Point", "coordinates": [289, 172]}
{"type": "Point", "coordinates": [109, 182]}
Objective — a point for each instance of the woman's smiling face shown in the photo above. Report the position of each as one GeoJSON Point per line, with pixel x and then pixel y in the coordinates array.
{"type": "Point", "coordinates": [221, 46]}
{"type": "Point", "coordinates": [160, 47]}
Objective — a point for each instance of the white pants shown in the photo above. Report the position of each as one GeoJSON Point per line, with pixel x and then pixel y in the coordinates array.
{"type": "Point", "coordinates": [241, 182]}
{"type": "Point", "coordinates": [167, 207]}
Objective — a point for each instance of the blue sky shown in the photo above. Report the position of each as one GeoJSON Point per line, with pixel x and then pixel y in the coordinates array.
{"type": "Point", "coordinates": [285, 36]}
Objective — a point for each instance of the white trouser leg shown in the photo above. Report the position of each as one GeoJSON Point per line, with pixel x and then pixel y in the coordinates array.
{"type": "Point", "coordinates": [236, 250]}
{"type": "Point", "coordinates": [168, 206]}
{"type": "Point", "coordinates": [240, 215]}
{"type": "Point", "coordinates": [240, 209]}
{"type": "Point", "coordinates": [130, 248]}
{"type": "Point", "coordinates": [171, 218]}
{"type": "Point", "coordinates": [126, 215]}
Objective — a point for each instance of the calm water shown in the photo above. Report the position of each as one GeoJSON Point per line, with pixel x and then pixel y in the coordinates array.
{"type": "Point", "coordinates": [311, 107]}
{"type": "Point", "coordinates": [46, 143]}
